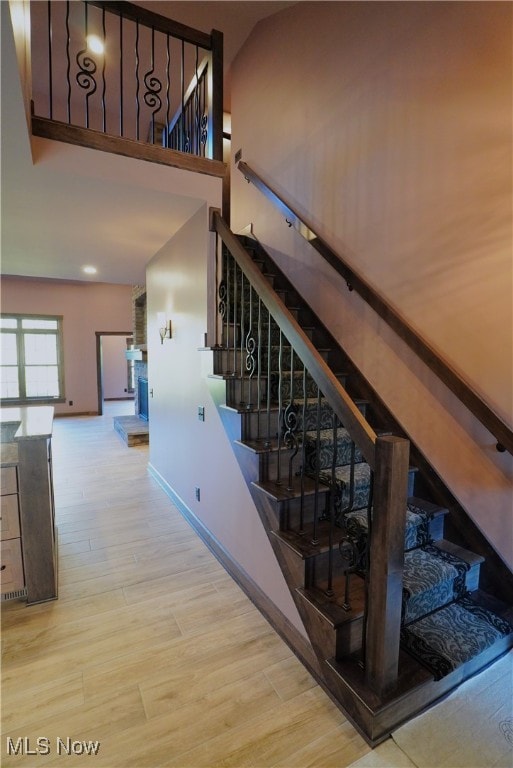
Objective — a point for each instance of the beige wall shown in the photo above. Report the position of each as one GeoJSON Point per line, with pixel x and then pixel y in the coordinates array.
{"type": "Point", "coordinates": [389, 126]}
{"type": "Point", "coordinates": [86, 309]}
{"type": "Point", "coordinates": [185, 452]}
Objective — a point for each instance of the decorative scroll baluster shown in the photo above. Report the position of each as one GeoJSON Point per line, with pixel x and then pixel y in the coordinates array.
{"type": "Point", "coordinates": [86, 71]}
{"type": "Point", "coordinates": [235, 300]}
{"type": "Point", "coordinates": [303, 457]}
{"type": "Point", "coordinates": [259, 366]}
{"type": "Point", "coordinates": [250, 350]}
{"type": "Point", "coordinates": [280, 408]}
{"type": "Point", "coordinates": [291, 423]}
{"type": "Point", "coordinates": [153, 87]}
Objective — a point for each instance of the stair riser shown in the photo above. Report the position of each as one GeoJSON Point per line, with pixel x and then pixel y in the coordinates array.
{"type": "Point", "coordinates": [289, 515]}
{"type": "Point", "coordinates": [228, 360]}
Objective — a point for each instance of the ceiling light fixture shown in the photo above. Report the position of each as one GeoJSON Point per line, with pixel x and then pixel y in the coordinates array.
{"type": "Point", "coordinates": [89, 270]}
{"type": "Point", "coordinates": [95, 44]}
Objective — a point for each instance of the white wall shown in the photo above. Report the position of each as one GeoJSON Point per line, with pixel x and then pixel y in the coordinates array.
{"type": "Point", "coordinates": [184, 451]}
{"type": "Point", "coordinates": [389, 126]}
{"type": "Point", "coordinates": [114, 367]}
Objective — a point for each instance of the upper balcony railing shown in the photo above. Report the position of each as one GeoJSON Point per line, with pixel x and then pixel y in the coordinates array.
{"type": "Point", "coordinates": [129, 73]}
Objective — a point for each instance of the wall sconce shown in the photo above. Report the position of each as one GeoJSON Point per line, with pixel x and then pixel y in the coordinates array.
{"type": "Point", "coordinates": [165, 328]}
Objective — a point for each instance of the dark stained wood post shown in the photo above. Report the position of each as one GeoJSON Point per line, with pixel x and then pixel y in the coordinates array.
{"type": "Point", "coordinates": [217, 94]}
{"type": "Point", "coordinates": [386, 563]}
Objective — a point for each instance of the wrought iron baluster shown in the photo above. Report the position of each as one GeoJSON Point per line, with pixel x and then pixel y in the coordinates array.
{"type": "Point", "coordinates": [182, 113]}
{"type": "Point", "coordinates": [268, 438]}
{"type": "Point", "coordinates": [168, 90]}
{"type": "Point", "coordinates": [104, 84]}
{"type": "Point", "coordinates": [196, 109]}
{"type": "Point", "coordinates": [229, 301]}
{"type": "Point", "coordinates": [366, 569]}
{"type": "Point", "coordinates": [317, 468]}
{"type": "Point", "coordinates": [121, 75]}
{"type": "Point", "coordinates": [153, 87]}
{"type": "Point", "coordinates": [250, 349]}
{"type": "Point", "coordinates": [137, 85]}
{"type": "Point", "coordinates": [303, 457]}
{"type": "Point", "coordinates": [204, 115]}
{"type": "Point", "coordinates": [50, 74]}
{"type": "Point", "coordinates": [280, 406]}
{"type": "Point", "coordinates": [87, 70]}
{"type": "Point", "coordinates": [291, 422]}
{"type": "Point", "coordinates": [68, 63]}
{"type": "Point", "coordinates": [234, 319]}
{"type": "Point", "coordinates": [259, 365]}
{"type": "Point", "coordinates": [329, 590]}
{"type": "Point", "coordinates": [242, 340]}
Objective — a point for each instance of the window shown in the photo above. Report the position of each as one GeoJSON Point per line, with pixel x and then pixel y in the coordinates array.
{"type": "Point", "coordinates": [31, 358]}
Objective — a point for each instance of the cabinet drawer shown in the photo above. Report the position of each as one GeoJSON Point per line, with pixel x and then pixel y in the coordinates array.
{"type": "Point", "coordinates": [9, 517]}
{"type": "Point", "coordinates": [9, 480]}
{"type": "Point", "coordinates": [11, 566]}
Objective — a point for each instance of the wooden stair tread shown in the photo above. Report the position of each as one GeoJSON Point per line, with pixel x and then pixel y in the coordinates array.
{"type": "Point", "coordinates": [282, 492]}
{"type": "Point", "coordinates": [330, 609]}
{"type": "Point", "coordinates": [302, 544]}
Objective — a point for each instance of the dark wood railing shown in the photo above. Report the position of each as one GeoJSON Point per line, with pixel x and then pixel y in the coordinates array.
{"type": "Point", "coordinates": [254, 326]}
{"type": "Point", "coordinates": [152, 80]}
{"type": "Point", "coordinates": [472, 401]}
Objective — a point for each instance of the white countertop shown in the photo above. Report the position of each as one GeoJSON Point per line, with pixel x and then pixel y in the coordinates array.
{"type": "Point", "coordinates": [33, 421]}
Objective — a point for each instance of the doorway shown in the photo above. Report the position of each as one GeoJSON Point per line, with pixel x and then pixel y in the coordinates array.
{"type": "Point", "coordinates": [114, 373]}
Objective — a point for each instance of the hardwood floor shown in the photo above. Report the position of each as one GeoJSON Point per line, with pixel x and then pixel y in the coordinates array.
{"type": "Point", "coordinates": [151, 649]}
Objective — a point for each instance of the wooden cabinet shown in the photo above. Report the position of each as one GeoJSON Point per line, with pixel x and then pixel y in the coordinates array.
{"type": "Point", "coordinates": [28, 562]}
{"type": "Point", "coordinates": [12, 576]}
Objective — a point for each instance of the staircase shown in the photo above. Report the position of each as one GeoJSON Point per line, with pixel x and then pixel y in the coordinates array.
{"type": "Point", "coordinates": [316, 496]}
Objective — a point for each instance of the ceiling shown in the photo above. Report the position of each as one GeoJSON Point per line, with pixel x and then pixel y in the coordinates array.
{"type": "Point", "coordinates": [64, 207]}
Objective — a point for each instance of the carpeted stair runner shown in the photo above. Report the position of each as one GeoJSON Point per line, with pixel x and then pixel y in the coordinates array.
{"type": "Point", "coordinates": [442, 627]}
{"type": "Point", "coordinates": [453, 635]}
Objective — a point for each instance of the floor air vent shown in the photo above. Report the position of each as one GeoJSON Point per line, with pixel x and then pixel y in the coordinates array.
{"type": "Point", "coordinates": [14, 595]}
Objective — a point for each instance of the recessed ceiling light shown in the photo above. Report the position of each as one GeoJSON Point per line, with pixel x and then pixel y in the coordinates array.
{"type": "Point", "coordinates": [95, 44]}
{"type": "Point", "coordinates": [89, 270]}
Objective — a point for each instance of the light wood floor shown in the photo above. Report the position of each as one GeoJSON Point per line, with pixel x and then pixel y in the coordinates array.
{"type": "Point", "coordinates": [151, 650]}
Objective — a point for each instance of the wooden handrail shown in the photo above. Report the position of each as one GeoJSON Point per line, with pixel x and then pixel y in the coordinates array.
{"type": "Point", "coordinates": [346, 410]}
{"type": "Point", "coordinates": [453, 381]}
{"type": "Point", "coordinates": [157, 21]}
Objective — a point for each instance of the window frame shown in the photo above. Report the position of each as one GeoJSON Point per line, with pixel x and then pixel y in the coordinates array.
{"type": "Point", "coordinates": [19, 332]}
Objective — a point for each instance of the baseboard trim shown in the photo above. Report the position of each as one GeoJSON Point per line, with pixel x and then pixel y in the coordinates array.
{"type": "Point", "coordinates": [298, 644]}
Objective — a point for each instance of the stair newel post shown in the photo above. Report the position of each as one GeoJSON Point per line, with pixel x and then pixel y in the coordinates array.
{"type": "Point", "coordinates": [386, 563]}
